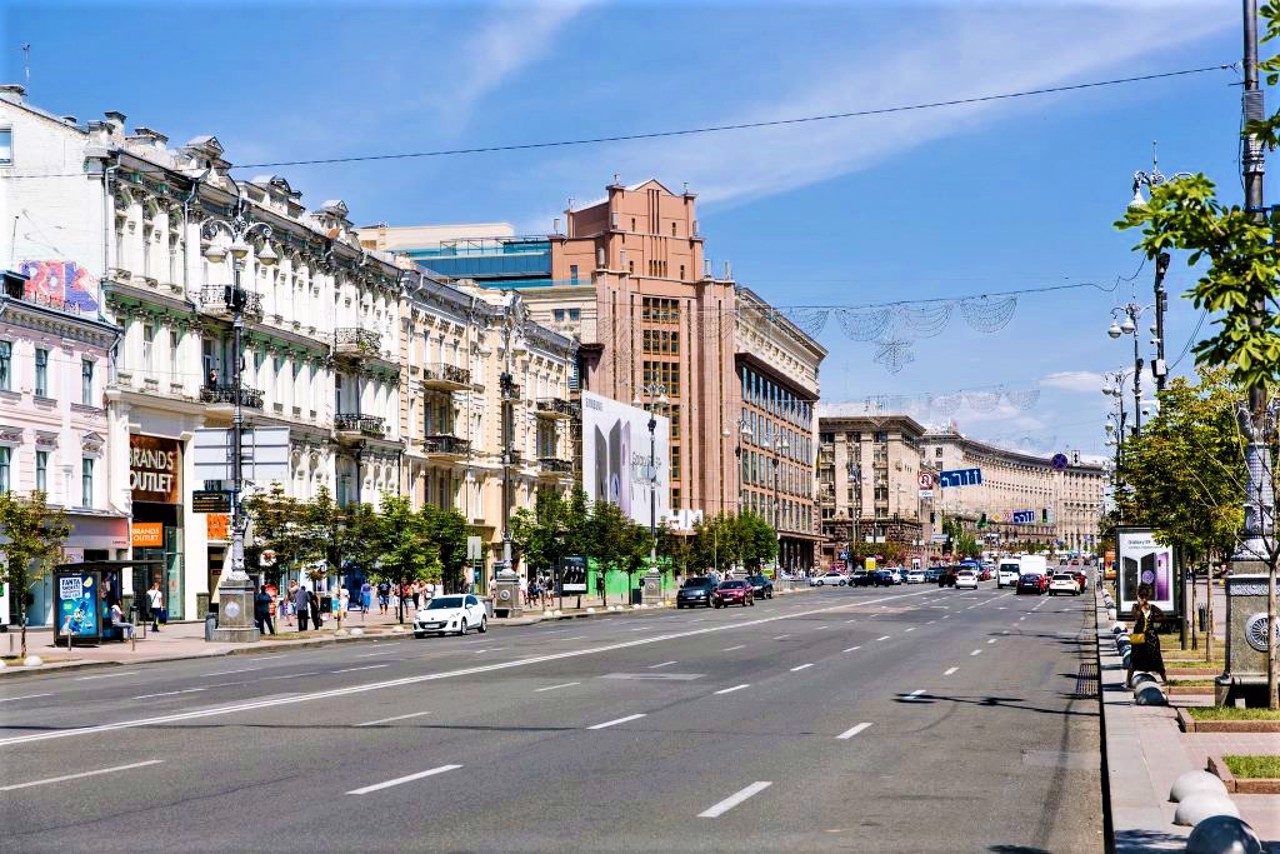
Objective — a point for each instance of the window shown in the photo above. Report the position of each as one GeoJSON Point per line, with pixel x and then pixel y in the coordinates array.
{"type": "Point", "coordinates": [86, 482]}
{"type": "Point", "coordinates": [6, 365]}
{"type": "Point", "coordinates": [5, 456]}
{"type": "Point", "coordinates": [575, 314]}
{"type": "Point", "coordinates": [559, 315]}
{"type": "Point", "coordinates": [42, 372]}
{"type": "Point", "coordinates": [6, 146]}
{"type": "Point", "coordinates": [148, 345]}
{"type": "Point", "coordinates": [573, 273]}
{"type": "Point", "coordinates": [86, 382]}
{"type": "Point", "coordinates": [42, 471]}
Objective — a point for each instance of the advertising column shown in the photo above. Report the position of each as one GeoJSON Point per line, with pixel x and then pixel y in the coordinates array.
{"type": "Point", "coordinates": [155, 480]}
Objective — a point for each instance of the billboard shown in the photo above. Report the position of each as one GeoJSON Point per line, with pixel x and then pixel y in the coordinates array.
{"type": "Point", "coordinates": [615, 457]}
{"type": "Point", "coordinates": [1141, 560]}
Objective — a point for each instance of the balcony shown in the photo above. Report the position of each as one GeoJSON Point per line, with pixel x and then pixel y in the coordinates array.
{"type": "Point", "coordinates": [554, 407]}
{"type": "Point", "coordinates": [216, 301]}
{"type": "Point", "coordinates": [550, 468]}
{"type": "Point", "coordinates": [352, 426]}
{"type": "Point", "coordinates": [225, 395]}
{"type": "Point", "coordinates": [445, 447]}
{"type": "Point", "coordinates": [355, 343]}
{"type": "Point", "coordinates": [444, 377]}
{"type": "Point", "coordinates": [514, 457]}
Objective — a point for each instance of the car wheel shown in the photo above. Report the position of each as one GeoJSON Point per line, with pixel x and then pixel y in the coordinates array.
{"type": "Point", "coordinates": [419, 635]}
{"type": "Point", "coordinates": [462, 628]}
{"type": "Point", "coordinates": [770, 596]}
{"type": "Point", "coordinates": [484, 625]}
{"type": "Point", "coordinates": [679, 606]}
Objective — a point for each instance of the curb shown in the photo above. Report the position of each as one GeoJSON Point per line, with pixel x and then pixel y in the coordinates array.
{"type": "Point", "coordinates": [1190, 724]}
{"type": "Point", "coordinates": [1242, 785]}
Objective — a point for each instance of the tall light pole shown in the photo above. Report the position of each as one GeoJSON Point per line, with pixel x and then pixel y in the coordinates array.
{"type": "Point", "coordinates": [509, 391]}
{"type": "Point", "coordinates": [1129, 326]}
{"type": "Point", "coordinates": [744, 431]}
{"type": "Point", "coordinates": [1115, 389]}
{"type": "Point", "coordinates": [653, 393]}
{"type": "Point", "coordinates": [235, 612]}
{"type": "Point", "coordinates": [779, 448]}
{"type": "Point", "coordinates": [855, 481]}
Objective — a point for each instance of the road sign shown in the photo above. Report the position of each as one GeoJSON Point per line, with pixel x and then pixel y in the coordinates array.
{"type": "Point", "coordinates": [926, 493]}
{"type": "Point", "coordinates": [960, 477]}
{"type": "Point", "coordinates": [1024, 517]}
{"type": "Point", "coordinates": [925, 480]}
{"type": "Point", "coordinates": [210, 501]}
{"type": "Point", "coordinates": [264, 454]}
{"type": "Point", "coordinates": [475, 548]}
{"type": "Point", "coordinates": [1060, 461]}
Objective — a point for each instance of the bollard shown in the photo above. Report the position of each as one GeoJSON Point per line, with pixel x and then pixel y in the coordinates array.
{"type": "Point", "coordinates": [1223, 834]}
{"type": "Point", "coordinates": [1143, 677]}
{"type": "Point", "coordinates": [1194, 782]}
{"type": "Point", "coordinates": [32, 661]}
{"type": "Point", "coordinates": [1196, 808]}
{"type": "Point", "coordinates": [1149, 694]}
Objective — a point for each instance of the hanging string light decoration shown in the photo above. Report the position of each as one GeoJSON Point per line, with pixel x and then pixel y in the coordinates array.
{"type": "Point", "coordinates": [864, 324]}
{"type": "Point", "coordinates": [811, 320]}
{"type": "Point", "coordinates": [1023, 399]}
{"type": "Point", "coordinates": [894, 355]}
{"type": "Point", "coordinates": [987, 315]}
{"type": "Point", "coordinates": [982, 401]}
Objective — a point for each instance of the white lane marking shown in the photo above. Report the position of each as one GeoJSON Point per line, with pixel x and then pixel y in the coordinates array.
{"type": "Point", "coordinates": [853, 649]}
{"type": "Point", "coordinates": [349, 690]}
{"type": "Point", "coordinates": [734, 688]}
{"type": "Point", "coordinates": [1020, 619]}
{"type": "Point", "coordinates": [950, 670]}
{"type": "Point", "coordinates": [735, 799]}
{"type": "Point", "coordinates": [732, 648]}
{"type": "Point", "coordinates": [24, 697]}
{"type": "Point", "coordinates": [399, 780]}
{"type": "Point", "coordinates": [167, 694]}
{"type": "Point", "coordinates": [946, 616]}
{"type": "Point", "coordinates": [854, 620]}
{"type": "Point", "coordinates": [576, 637]}
{"type": "Point", "coordinates": [617, 721]}
{"type": "Point", "coordinates": [993, 640]}
{"type": "Point", "coordinates": [229, 672]}
{"type": "Point", "coordinates": [912, 629]}
{"type": "Point", "coordinates": [107, 675]}
{"type": "Point", "coordinates": [819, 628]}
{"type": "Point", "coordinates": [396, 718]}
{"type": "Point", "coordinates": [299, 675]}
{"type": "Point", "coordinates": [81, 774]}
{"type": "Point", "coordinates": [554, 687]}
{"type": "Point", "coordinates": [663, 664]}
{"type": "Point", "coordinates": [802, 667]}
{"type": "Point", "coordinates": [976, 652]}
{"type": "Point", "coordinates": [883, 637]}
{"type": "Point", "coordinates": [362, 667]}
{"type": "Point", "coordinates": [380, 652]}
{"type": "Point", "coordinates": [852, 731]}
{"type": "Point", "coordinates": [781, 637]}
{"type": "Point", "coordinates": [931, 622]}
{"type": "Point", "coordinates": [914, 694]}
{"type": "Point", "coordinates": [489, 649]}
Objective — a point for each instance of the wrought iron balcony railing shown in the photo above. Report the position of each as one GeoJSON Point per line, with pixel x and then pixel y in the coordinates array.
{"type": "Point", "coordinates": [445, 445]}
{"type": "Point", "coordinates": [555, 466]}
{"type": "Point", "coordinates": [554, 407]}
{"type": "Point", "coordinates": [445, 376]}
{"type": "Point", "coordinates": [218, 300]}
{"type": "Point", "coordinates": [366, 425]}
{"type": "Point", "coordinates": [225, 394]}
{"type": "Point", "coordinates": [353, 341]}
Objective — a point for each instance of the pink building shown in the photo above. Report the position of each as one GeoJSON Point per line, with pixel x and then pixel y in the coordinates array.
{"type": "Point", "coordinates": [53, 424]}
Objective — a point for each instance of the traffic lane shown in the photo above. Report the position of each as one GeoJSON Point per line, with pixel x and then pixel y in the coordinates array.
{"type": "Point", "coordinates": [494, 734]}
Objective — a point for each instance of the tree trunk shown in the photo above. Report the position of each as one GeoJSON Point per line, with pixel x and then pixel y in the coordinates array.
{"type": "Point", "coordinates": [24, 634]}
{"type": "Point", "coordinates": [1273, 700]}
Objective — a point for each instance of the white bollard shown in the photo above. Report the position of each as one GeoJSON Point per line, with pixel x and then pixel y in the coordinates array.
{"type": "Point", "coordinates": [1195, 782]}
{"type": "Point", "coordinates": [32, 661]}
{"type": "Point", "coordinates": [1223, 834]}
{"type": "Point", "coordinates": [1196, 808]}
{"type": "Point", "coordinates": [591, 610]}
{"type": "Point", "coordinates": [357, 632]}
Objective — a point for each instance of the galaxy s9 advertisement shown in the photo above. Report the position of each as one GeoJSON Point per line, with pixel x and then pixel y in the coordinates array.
{"type": "Point", "coordinates": [1143, 561]}
{"type": "Point", "coordinates": [616, 457]}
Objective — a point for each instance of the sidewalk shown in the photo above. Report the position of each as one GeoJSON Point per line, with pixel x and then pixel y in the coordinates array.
{"type": "Point", "coordinates": [186, 640]}
{"type": "Point", "coordinates": [1146, 752]}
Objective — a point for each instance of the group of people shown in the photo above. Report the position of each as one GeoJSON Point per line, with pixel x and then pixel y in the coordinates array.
{"type": "Point", "coordinates": [538, 590]}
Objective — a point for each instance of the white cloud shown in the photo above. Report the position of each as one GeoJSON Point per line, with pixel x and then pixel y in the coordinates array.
{"type": "Point", "coordinates": [962, 55]}
{"type": "Point", "coordinates": [1082, 382]}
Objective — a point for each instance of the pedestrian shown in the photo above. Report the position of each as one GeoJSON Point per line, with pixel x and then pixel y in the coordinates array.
{"type": "Point", "coordinates": [155, 598]}
{"type": "Point", "coordinates": [384, 596]}
{"type": "Point", "coordinates": [313, 605]}
{"type": "Point", "coordinates": [344, 603]}
{"type": "Point", "coordinates": [300, 600]}
{"type": "Point", "coordinates": [600, 587]}
{"type": "Point", "coordinates": [288, 603]}
{"type": "Point", "coordinates": [262, 612]}
{"type": "Point", "coordinates": [366, 598]}
{"type": "Point", "coordinates": [1144, 652]}
{"type": "Point", "coordinates": [524, 590]}
{"type": "Point", "coordinates": [117, 619]}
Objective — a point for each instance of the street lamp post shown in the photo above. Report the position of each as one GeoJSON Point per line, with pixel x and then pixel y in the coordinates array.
{"type": "Point", "coordinates": [1151, 180]}
{"type": "Point", "coordinates": [855, 479]}
{"type": "Point", "coordinates": [235, 596]}
{"type": "Point", "coordinates": [653, 393]}
{"type": "Point", "coordinates": [744, 431]}
{"type": "Point", "coordinates": [779, 448]}
{"type": "Point", "coordinates": [1129, 326]}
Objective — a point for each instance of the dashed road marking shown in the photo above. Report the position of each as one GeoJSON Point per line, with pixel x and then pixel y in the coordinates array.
{"type": "Point", "coordinates": [554, 687]}
{"type": "Point", "coordinates": [66, 777]}
{"type": "Point", "coordinates": [734, 688]}
{"type": "Point", "coordinates": [617, 721]}
{"type": "Point", "coordinates": [735, 799]}
{"type": "Point", "coordinates": [852, 731]}
{"type": "Point", "coordinates": [395, 718]}
{"type": "Point", "coordinates": [950, 670]}
{"type": "Point", "coordinates": [802, 667]}
{"type": "Point", "coordinates": [407, 779]}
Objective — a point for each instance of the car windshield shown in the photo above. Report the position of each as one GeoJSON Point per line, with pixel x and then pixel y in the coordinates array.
{"type": "Point", "coordinates": [698, 582]}
{"type": "Point", "coordinates": [1063, 577]}
{"type": "Point", "coordinates": [1009, 567]}
{"type": "Point", "coordinates": [757, 579]}
{"type": "Point", "coordinates": [441, 602]}
{"type": "Point", "coordinates": [732, 585]}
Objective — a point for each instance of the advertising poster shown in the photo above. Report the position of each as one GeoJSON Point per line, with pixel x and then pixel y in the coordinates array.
{"type": "Point", "coordinates": [1141, 560]}
{"type": "Point", "coordinates": [615, 457]}
{"type": "Point", "coordinates": [78, 605]}
{"type": "Point", "coordinates": [573, 575]}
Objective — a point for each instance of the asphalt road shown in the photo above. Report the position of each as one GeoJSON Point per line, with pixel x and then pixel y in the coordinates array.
{"type": "Point", "coordinates": [902, 719]}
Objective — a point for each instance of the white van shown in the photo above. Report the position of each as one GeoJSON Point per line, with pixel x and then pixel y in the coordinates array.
{"type": "Point", "coordinates": [1007, 572]}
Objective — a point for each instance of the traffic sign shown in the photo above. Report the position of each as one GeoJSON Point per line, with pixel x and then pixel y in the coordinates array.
{"type": "Point", "coordinates": [1060, 461]}
{"type": "Point", "coordinates": [210, 501]}
{"type": "Point", "coordinates": [925, 480]}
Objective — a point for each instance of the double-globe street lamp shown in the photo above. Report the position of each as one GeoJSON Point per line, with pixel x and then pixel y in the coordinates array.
{"type": "Point", "coordinates": [647, 395]}
{"type": "Point", "coordinates": [780, 447]}
{"type": "Point", "coordinates": [1128, 325]}
{"type": "Point", "coordinates": [235, 616]}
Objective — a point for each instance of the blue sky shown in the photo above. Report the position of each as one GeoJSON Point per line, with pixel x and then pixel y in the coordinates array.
{"type": "Point", "coordinates": [940, 203]}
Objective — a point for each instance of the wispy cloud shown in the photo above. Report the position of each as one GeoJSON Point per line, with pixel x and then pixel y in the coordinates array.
{"type": "Point", "coordinates": [1083, 382]}
{"type": "Point", "coordinates": [963, 55]}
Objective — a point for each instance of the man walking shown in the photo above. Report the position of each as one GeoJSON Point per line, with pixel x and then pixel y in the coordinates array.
{"type": "Point", "coordinates": [313, 604]}
{"type": "Point", "coordinates": [300, 605]}
{"type": "Point", "coordinates": [155, 598]}
{"type": "Point", "coordinates": [262, 612]}
{"type": "Point", "coordinates": [384, 596]}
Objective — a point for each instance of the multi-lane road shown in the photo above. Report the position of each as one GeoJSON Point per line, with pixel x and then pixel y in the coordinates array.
{"type": "Point", "coordinates": [901, 719]}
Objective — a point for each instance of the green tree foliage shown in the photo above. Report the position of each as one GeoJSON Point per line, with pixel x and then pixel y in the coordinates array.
{"type": "Point", "coordinates": [447, 529]}
{"type": "Point", "coordinates": [34, 533]}
{"type": "Point", "coordinates": [402, 543]}
{"type": "Point", "coordinates": [282, 524]}
{"type": "Point", "coordinates": [554, 528]}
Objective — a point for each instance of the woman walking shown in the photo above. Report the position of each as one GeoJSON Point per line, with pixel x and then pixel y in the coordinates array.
{"type": "Point", "coordinates": [1144, 623]}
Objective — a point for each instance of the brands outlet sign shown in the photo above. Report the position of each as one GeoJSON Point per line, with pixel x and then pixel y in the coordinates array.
{"type": "Point", "coordinates": [155, 466]}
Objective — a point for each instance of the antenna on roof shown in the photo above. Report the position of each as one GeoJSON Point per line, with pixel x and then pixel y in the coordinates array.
{"type": "Point", "coordinates": [26, 63]}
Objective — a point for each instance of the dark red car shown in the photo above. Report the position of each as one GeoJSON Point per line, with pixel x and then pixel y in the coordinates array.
{"type": "Point", "coordinates": [733, 593]}
{"type": "Point", "coordinates": [1032, 583]}
{"type": "Point", "coordinates": [1081, 578]}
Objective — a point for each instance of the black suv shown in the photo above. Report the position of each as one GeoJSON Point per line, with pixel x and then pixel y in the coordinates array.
{"type": "Point", "coordinates": [761, 587]}
{"type": "Point", "coordinates": [947, 576]}
{"type": "Point", "coordinates": [696, 592]}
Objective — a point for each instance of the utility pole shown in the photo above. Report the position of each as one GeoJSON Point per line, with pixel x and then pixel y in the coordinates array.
{"type": "Point", "coordinates": [1158, 368]}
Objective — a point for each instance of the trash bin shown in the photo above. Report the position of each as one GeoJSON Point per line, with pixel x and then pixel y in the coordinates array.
{"type": "Point", "coordinates": [202, 605]}
{"type": "Point", "coordinates": [488, 606]}
{"type": "Point", "coordinates": [637, 596]}
{"type": "Point", "coordinates": [211, 621]}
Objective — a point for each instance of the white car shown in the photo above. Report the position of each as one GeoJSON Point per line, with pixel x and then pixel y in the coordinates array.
{"type": "Point", "coordinates": [967, 578]}
{"type": "Point", "coordinates": [1064, 583]}
{"type": "Point", "coordinates": [915, 576]}
{"type": "Point", "coordinates": [835, 579]}
{"type": "Point", "coordinates": [443, 614]}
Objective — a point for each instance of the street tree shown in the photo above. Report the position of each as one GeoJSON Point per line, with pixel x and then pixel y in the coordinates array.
{"type": "Point", "coordinates": [33, 535]}
{"type": "Point", "coordinates": [1238, 264]}
{"type": "Point", "coordinates": [447, 529]}
{"type": "Point", "coordinates": [343, 534]}
{"type": "Point", "coordinates": [607, 541]}
{"type": "Point", "coordinates": [282, 526]}
{"type": "Point", "coordinates": [402, 543]}
{"type": "Point", "coordinates": [757, 539]}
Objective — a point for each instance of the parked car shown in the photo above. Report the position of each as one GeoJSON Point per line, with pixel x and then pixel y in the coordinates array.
{"type": "Point", "coordinates": [859, 578]}
{"type": "Point", "coordinates": [947, 576]}
{"type": "Point", "coordinates": [931, 574]}
{"type": "Point", "coordinates": [1064, 582]}
{"type": "Point", "coordinates": [1032, 583]}
{"type": "Point", "coordinates": [696, 592]}
{"type": "Point", "coordinates": [914, 576]}
{"type": "Point", "coordinates": [445, 614]}
{"type": "Point", "coordinates": [896, 574]}
{"type": "Point", "coordinates": [1081, 578]}
{"type": "Point", "coordinates": [966, 579]}
{"type": "Point", "coordinates": [882, 578]}
{"type": "Point", "coordinates": [831, 579]}
{"type": "Point", "coordinates": [761, 587]}
{"type": "Point", "coordinates": [733, 593]}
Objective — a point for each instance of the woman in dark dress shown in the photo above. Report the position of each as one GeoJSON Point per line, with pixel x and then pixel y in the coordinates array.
{"type": "Point", "coordinates": [1145, 620]}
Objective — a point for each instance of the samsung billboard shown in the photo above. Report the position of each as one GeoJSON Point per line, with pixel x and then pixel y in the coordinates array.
{"type": "Point", "coordinates": [615, 457]}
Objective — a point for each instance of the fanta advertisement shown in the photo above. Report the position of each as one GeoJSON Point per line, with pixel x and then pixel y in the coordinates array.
{"type": "Point", "coordinates": [63, 285]}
